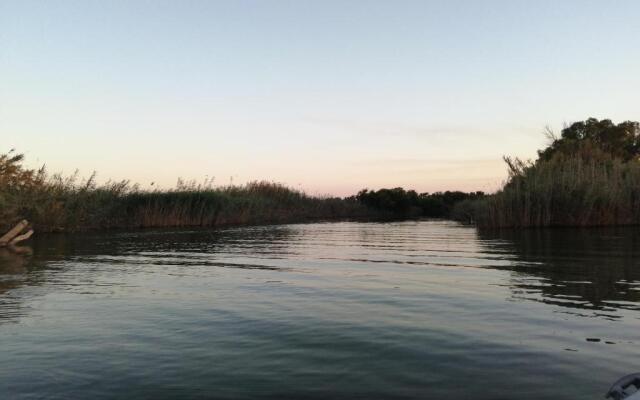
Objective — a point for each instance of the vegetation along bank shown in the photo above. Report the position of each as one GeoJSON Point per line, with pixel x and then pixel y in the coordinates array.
{"type": "Point", "coordinates": [587, 176]}
{"type": "Point", "coordinates": [59, 203]}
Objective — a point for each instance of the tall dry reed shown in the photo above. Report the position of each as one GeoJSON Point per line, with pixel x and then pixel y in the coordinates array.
{"type": "Point", "coordinates": [59, 203]}
{"type": "Point", "coordinates": [581, 189]}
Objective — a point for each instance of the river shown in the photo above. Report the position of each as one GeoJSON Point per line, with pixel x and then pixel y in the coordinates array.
{"type": "Point", "coordinates": [347, 310]}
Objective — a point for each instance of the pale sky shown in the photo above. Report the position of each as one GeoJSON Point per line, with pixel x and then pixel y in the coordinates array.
{"type": "Point", "coordinates": [327, 96]}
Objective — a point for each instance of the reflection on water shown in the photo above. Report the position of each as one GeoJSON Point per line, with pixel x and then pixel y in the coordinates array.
{"type": "Point", "coordinates": [423, 309]}
{"type": "Point", "coordinates": [581, 269]}
{"type": "Point", "coordinates": [13, 270]}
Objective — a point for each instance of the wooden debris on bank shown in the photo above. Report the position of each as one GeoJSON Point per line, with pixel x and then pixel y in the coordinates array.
{"type": "Point", "coordinates": [21, 232]}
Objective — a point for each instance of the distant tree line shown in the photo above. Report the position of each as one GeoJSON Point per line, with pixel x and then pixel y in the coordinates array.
{"type": "Point", "coordinates": [409, 203]}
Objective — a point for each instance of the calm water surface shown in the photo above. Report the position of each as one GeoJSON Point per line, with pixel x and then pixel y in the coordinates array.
{"type": "Point", "coordinates": [406, 310]}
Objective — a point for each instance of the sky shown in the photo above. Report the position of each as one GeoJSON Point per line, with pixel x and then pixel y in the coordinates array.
{"type": "Point", "coordinates": [326, 96]}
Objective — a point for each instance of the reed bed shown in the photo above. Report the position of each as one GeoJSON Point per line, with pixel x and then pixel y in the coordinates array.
{"type": "Point", "coordinates": [580, 189]}
{"type": "Point", "coordinates": [59, 203]}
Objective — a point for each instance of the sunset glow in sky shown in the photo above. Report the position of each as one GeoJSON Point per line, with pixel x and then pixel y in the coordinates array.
{"type": "Point", "coordinates": [327, 96]}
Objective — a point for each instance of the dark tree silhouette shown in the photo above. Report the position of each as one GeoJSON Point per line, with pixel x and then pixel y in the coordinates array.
{"type": "Point", "coordinates": [620, 141]}
{"type": "Point", "coordinates": [408, 203]}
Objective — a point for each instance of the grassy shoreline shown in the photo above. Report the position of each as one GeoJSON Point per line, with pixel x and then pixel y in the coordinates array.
{"type": "Point", "coordinates": [53, 203]}
{"type": "Point", "coordinates": [56, 203]}
{"type": "Point", "coordinates": [589, 176]}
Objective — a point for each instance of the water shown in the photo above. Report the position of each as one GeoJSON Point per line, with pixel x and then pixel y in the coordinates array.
{"type": "Point", "coordinates": [424, 310]}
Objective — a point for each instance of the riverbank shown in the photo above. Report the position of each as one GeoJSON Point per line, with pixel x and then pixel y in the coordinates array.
{"type": "Point", "coordinates": [54, 203]}
{"type": "Point", "coordinates": [57, 203]}
{"type": "Point", "coordinates": [567, 191]}
{"type": "Point", "coordinates": [589, 176]}
{"type": "Point", "coordinates": [71, 207]}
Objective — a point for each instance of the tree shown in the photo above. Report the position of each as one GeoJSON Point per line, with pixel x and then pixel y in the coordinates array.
{"type": "Point", "coordinates": [620, 141]}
